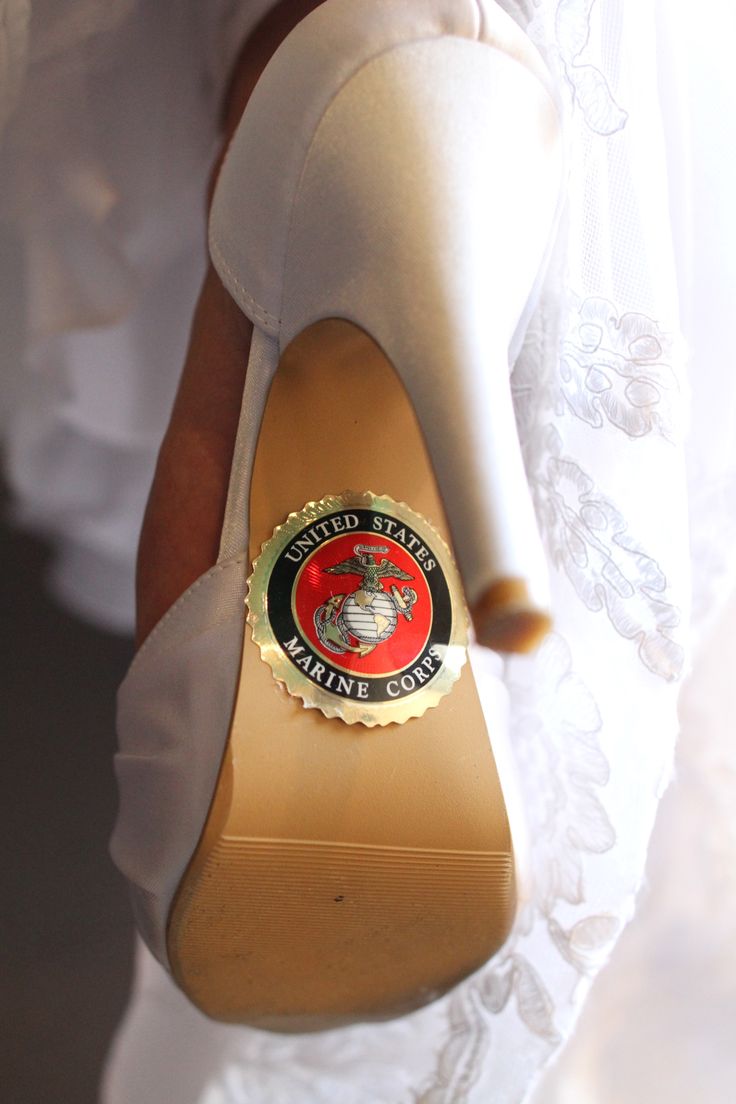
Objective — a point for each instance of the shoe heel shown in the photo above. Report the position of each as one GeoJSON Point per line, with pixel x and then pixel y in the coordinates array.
{"type": "Point", "coordinates": [347, 871]}
{"type": "Point", "coordinates": [423, 213]}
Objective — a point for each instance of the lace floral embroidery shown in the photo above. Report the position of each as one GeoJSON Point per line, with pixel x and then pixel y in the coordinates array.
{"type": "Point", "coordinates": [589, 540]}
{"type": "Point", "coordinates": [608, 371]}
{"type": "Point", "coordinates": [617, 370]}
{"type": "Point", "coordinates": [556, 732]}
{"type": "Point", "coordinates": [586, 532]}
{"type": "Point", "coordinates": [590, 89]}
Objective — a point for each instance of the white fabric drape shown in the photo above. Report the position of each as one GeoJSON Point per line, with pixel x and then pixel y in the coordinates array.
{"type": "Point", "coordinates": [104, 159]}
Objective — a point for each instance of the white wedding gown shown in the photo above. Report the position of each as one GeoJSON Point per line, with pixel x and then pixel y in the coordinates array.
{"type": "Point", "coordinates": [110, 116]}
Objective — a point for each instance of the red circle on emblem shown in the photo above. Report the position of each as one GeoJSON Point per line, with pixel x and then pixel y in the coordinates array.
{"type": "Point", "coordinates": [362, 601]}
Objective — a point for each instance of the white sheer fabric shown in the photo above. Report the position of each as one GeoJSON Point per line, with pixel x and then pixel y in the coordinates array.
{"type": "Point", "coordinates": [105, 157]}
{"type": "Point", "coordinates": [104, 163]}
{"type": "Point", "coordinates": [658, 1026]}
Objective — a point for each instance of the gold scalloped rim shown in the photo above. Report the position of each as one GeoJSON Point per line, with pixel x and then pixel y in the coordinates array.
{"type": "Point", "coordinates": [300, 686]}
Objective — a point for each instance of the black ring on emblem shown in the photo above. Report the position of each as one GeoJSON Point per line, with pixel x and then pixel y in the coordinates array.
{"type": "Point", "coordinates": [371, 688]}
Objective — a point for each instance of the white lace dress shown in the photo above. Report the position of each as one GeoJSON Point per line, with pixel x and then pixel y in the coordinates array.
{"type": "Point", "coordinates": [110, 116]}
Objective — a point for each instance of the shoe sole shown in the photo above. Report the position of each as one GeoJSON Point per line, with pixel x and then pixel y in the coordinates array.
{"type": "Point", "coordinates": [343, 874]}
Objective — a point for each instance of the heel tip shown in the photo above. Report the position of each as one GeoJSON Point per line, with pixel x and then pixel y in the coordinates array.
{"type": "Point", "coordinates": [506, 619]}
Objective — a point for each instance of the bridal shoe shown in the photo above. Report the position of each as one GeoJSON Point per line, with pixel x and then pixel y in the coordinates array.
{"type": "Point", "coordinates": [311, 815]}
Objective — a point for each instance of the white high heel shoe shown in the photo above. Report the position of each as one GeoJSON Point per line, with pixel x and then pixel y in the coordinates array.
{"type": "Point", "coordinates": [409, 182]}
{"type": "Point", "coordinates": [382, 216]}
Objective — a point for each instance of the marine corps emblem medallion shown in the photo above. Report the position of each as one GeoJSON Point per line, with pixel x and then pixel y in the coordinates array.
{"type": "Point", "coordinates": [356, 605]}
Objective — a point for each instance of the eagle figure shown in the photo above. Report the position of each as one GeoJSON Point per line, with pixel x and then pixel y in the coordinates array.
{"type": "Point", "coordinates": [363, 563]}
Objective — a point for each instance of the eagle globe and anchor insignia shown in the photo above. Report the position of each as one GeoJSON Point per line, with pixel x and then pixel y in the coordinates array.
{"type": "Point", "coordinates": [369, 614]}
{"type": "Point", "coordinates": [356, 606]}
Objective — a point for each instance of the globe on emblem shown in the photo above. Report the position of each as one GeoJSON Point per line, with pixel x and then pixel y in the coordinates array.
{"type": "Point", "coordinates": [372, 619]}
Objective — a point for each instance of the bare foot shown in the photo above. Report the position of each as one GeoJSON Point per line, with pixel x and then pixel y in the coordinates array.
{"type": "Point", "coordinates": [183, 519]}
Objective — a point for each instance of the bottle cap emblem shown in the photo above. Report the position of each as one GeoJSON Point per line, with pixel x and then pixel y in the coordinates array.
{"type": "Point", "coordinates": [357, 607]}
